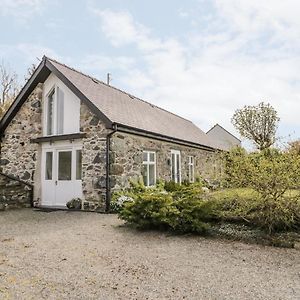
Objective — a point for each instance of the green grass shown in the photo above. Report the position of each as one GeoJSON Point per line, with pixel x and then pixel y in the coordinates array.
{"type": "Point", "coordinates": [244, 194]}
{"type": "Point", "coordinates": [231, 193]}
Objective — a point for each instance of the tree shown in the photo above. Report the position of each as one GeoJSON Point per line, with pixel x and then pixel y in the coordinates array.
{"type": "Point", "coordinates": [9, 86]}
{"type": "Point", "coordinates": [30, 71]}
{"type": "Point", "coordinates": [275, 176]}
{"type": "Point", "coordinates": [4, 107]}
{"type": "Point", "coordinates": [257, 123]}
{"type": "Point", "coordinates": [294, 147]}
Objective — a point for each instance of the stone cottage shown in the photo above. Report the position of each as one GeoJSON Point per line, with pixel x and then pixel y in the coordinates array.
{"type": "Point", "coordinates": [69, 135]}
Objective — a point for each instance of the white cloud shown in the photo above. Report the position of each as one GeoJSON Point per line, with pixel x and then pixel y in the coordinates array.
{"type": "Point", "coordinates": [248, 53]}
{"type": "Point", "coordinates": [21, 9]}
{"type": "Point", "coordinates": [103, 62]}
{"type": "Point", "coordinates": [33, 51]}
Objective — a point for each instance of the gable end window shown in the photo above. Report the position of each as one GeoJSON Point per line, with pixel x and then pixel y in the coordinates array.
{"type": "Point", "coordinates": [149, 168]}
{"type": "Point", "coordinates": [55, 111]}
{"type": "Point", "coordinates": [191, 167]}
{"type": "Point", "coordinates": [50, 112]}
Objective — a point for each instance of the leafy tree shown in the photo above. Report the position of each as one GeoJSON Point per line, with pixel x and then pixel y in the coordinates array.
{"type": "Point", "coordinates": [275, 176]}
{"type": "Point", "coordinates": [257, 123]}
{"type": "Point", "coordinates": [294, 147]}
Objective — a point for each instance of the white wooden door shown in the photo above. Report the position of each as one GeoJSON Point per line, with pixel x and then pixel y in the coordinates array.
{"type": "Point", "coordinates": [61, 174]}
{"type": "Point", "coordinates": [176, 166]}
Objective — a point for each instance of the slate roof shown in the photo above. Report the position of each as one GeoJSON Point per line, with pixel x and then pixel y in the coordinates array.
{"type": "Point", "coordinates": [114, 106]}
{"type": "Point", "coordinates": [124, 109]}
{"type": "Point", "coordinates": [222, 138]}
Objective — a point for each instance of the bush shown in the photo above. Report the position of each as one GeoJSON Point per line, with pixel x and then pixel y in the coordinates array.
{"type": "Point", "coordinates": [248, 206]}
{"type": "Point", "coordinates": [75, 203]}
{"type": "Point", "coordinates": [183, 210]}
{"type": "Point", "coordinates": [149, 210]}
{"type": "Point", "coordinates": [271, 174]}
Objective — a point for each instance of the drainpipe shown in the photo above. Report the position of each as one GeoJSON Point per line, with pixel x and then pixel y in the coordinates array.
{"type": "Point", "coordinates": [108, 187]}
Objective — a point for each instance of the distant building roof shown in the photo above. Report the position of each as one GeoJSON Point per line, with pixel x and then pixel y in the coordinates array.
{"type": "Point", "coordinates": [223, 138]}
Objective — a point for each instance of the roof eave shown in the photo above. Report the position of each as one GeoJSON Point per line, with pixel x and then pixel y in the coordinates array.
{"type": "Point", "coordinates": [39, 75]}
{"type": "Point", "coordinates": [145, 133]}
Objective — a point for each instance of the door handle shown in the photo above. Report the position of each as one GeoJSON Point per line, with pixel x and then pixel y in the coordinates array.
{"type": "Point", "coordinates": [55, 182]}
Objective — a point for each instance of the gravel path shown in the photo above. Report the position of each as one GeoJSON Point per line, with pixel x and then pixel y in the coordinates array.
{"type": "Point", "coordinates": [74, 255]}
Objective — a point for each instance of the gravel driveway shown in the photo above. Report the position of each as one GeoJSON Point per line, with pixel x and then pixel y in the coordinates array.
{"type": "Point", "coordinates": [74, 255]}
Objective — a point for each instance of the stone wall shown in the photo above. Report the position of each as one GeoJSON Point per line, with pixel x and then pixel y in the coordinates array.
{"type": "Point", "coordinates": [93, 160]}
{"type": "Point", "coordinates": [126, 159]}
{"type": "Point", "coordinates": [14, 194]}
{"type": "Point", "coordinates": [19, 156]}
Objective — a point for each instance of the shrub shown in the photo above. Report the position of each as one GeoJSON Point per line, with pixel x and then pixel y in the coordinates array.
{"type": "Point", "coordinates": [182, 210]}
{"type": "Point", "coordinates": [248, 206]}
{"type": "Point", "coordinates": [271, 174]}
{"type": "Point", "coordinates": [149, 210]}
{"type": "Point", "coordinates": [75, 203]}
{"type": "Point", "coordinates": [192, 215]}
{"type": "Point", "coordinates": [171, 186]}
{"type": "Point", "coordinates": [118, 201]}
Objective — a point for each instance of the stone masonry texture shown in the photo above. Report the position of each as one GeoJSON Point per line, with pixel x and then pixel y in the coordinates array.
{"type": "Point", "coordinates": [13, 194]}
{"type": "Point", "coordinates": [126, 159]}
{"type": "Point", "coordinates": [20, 158]}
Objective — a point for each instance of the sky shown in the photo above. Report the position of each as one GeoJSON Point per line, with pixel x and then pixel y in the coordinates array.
{"type": "Point", "coordinates": [201, 59]}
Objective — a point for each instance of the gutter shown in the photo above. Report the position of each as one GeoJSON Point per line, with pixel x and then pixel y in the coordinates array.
{"type": "Point", "coordinates": [108, 187]}
{"type": "Point", "coordinates": [160, 137]}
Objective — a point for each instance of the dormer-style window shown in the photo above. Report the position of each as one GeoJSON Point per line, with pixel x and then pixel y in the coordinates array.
{"type": "Point", "coordinates": [55, 111]}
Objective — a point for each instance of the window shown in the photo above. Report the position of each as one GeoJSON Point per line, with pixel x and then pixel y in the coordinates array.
{"type": "Point", "coordinates": [60, 111]}
{"type": "Point", "coordinates": [149, 168]}
{"type": "Point", "coordinates": [49, 165]}
{"type": "Point", "coordinates": [50, 115]}
{"type": "Point", "coordinates": [191, 162]}
{"type": "Point", "coordinates": [175, 166]}
{"type": "Point", "coordinates": [78, 164]}
{"type": "Point", "coordinates": [64, 165]}
{"type": "Point", "coordinates": [55, 112]}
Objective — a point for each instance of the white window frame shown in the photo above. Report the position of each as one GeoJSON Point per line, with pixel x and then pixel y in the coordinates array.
{"type": "Point", "coordinates": [176, 152]}
{"type": "Point", "coordinates": [191, 168]}
{"type": "Point", "coordinates": [148, 163]}
{"type": "Point", "coordinates": [54, 126]}
{"type": "Point", "coordinates": [52, 90]}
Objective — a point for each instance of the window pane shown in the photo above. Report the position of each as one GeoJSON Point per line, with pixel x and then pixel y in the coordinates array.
{"type": "Point", "coordinates": [151, 175]}
{"type": "Point", "coordinates": [50, 113]}
{"type": "Point", "coordinates": [193, 176]}
{"type": "Point", "coordinates": [144, 173]}
{"type": "Point", "coordinates": [78, 164]}
{"type": "Point", "coordinates": [60, 111]}
{"type": "Point", "coordinates": [178, 167]}
{"type": "Point", "coordinates": [173, 167]}
{"type": "Point", "coordinates": [64, 165]}
{"type": "Point", "coordinates": [49, 161]}
{"type": "Point", "coordinates": [145, 156]}
{"type": "Point", "coordinates": [152, 157]}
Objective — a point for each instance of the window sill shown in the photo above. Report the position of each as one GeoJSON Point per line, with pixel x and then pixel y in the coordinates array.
{"type": "Point", "coordinates": [62, 137]}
